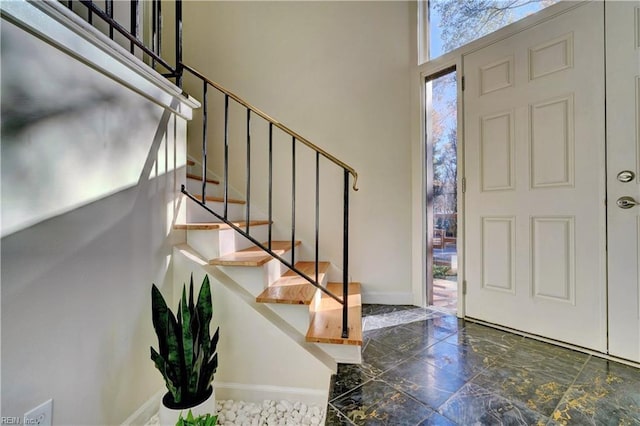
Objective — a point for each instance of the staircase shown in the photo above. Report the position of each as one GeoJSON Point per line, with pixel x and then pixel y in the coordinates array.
{"type": "Point", "coordinates": [309, 310]}
{"type": "Point", "coordinates": [227, 232]}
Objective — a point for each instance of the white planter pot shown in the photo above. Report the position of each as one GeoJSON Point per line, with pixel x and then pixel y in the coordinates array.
{"type": "Point", "coordinates": [169, 416]}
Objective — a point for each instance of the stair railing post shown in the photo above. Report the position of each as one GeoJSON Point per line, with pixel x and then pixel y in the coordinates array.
{"type": "Point", "coordinates": [179, 43]}
{"type": "Point", "coordinates": [226, 156]}
{"type": "Point", "coordinates": [204, 141]}
{"type": "Point", "coordinates": [248, 208]}
{"type": "Point", "coordinates": [109, 8]}
{"type": "Point", "coordinates": [293, 199]}
{"type": "Point", "coordinates": [317, 215]}
{"type": "Point", "coordinates": [135, 22]}
{"type": "Point", "coordinates": [270, 181]}
{"type": "Point", "coordinates": [345, 259]}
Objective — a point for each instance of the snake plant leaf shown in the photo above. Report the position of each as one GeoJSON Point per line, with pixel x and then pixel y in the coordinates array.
{"type": "Point", "coordinates": [191, 293]}
{"type": "Point", "coordinates": [205, 313]}
{"type": "Point", "coordinates": [161, 365]}
{"type": "Point", "coordinates": [215, 338]}
{"type": "Point", "coordinates": [160, 312]}
{"type": "Point", "coordinates": [187, 338]}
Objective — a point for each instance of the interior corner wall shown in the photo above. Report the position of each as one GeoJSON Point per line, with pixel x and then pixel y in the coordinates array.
{"type": "Point", "coordinates": [76, 314]}
{"type": "Point", "coordinates": [338, 73]}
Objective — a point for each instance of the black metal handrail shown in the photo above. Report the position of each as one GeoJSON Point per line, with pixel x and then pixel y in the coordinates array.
{"type": "Point", "coordinates": [133, 32]}
{"type": "Point", "coordinates": [177, 71]}
{"type": "Point", "coordinates": [295, 137]}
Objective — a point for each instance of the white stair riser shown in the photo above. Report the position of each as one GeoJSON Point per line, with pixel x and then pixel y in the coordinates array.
{"type": "Point", "coordinates": [296, 315]}
{"type": "Point", "coordinates": [256, 278]}
{"type": "Point", "coordinates": [214, 243]}
{"type": "Point", "coordinates": [195, 187]}
{"type": "Point", "coordinates": [343, 354]}
{"type": "Point", "coordinates": [198, 214]}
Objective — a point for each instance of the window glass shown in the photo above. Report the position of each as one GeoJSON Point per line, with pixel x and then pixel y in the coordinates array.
{"type": "Point", "coordinates": [453, 23]}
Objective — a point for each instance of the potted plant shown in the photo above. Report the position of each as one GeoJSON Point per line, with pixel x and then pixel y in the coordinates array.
{"type": "Point", "coordinates": [186, 356]}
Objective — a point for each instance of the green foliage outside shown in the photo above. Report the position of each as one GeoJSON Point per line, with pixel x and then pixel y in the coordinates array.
{"type": "Point", "coordinates": [440, 271]}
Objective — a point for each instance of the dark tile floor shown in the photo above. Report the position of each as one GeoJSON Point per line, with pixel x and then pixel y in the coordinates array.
{"type": "Point", "coordinates": [425, 367]}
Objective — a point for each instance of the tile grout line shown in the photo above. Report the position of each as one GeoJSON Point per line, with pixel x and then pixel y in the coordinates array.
{"type": "Point", "coordinates": [575, 379]}
{"type": "Point", "coordinates": [340, 413]}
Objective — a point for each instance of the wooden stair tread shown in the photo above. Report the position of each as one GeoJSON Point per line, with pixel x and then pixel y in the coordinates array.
{"type": "Point", "coordinates": [217, 225]}
{"type": "Point", "coordinates": [253, 256]}
{"type": "Point", "coordinates": [191, 163]}
{"type": "Point", "coordinates": [292, 289]}
{"type": "Point", "coordinates": [326, 325]}
{"type": "Point", "coordinates": [219, 199]}
{"type": "Point", "coordinates": [196, 177]}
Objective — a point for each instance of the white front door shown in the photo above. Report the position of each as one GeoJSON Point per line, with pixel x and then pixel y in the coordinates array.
{"type": "Point", "coordinates": [534, 137]}
{"type": "Point", "coordinates": [623, 180]}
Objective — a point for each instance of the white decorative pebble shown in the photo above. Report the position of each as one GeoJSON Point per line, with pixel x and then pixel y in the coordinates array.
{"type": "Point", "coordinates": [266, 413]}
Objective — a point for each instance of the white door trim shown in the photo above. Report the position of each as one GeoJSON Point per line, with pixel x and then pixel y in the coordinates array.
{"type": "Point", "coordinates": [418, 196]}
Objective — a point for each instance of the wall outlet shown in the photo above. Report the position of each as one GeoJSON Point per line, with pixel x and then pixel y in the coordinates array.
{"type": "Point", "coordinates": [41, 415]}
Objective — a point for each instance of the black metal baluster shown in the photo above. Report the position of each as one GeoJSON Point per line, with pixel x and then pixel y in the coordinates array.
{"type": "Point", "coordinates": [109, 8]}
{"type": "Point", "coordinates": [135, 17]}
{"type": "Point", "coordinates": [248, 209]}
{"type": "Point", "coordinates": [90, 15]}
{"type": "Point", "coordinates": [154, 30]}
{"type": "Point", "coordinates": [293, 199]}
{"type": "Point", "coordinates": [226, 155]}
{"type": "Point", "coordinates": [345, 259]}
{"type": "Point", "coordinates": [270, 179]}
{"type": "Point", "coordinates": [70, 4]}
{"type": "Point", "coordinates": [179, 44]}
{"type": "Point", "coordinates": [204, 141]}
{"type": "Point", "coordinates": [317, 213]}
{"type": "Point", "coordinates": [159, 26]}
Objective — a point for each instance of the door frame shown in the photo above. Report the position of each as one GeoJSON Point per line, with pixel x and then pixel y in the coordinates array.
{"type": "Point", "coordinates": [439, 70]}
{"type": "Point", "coordinates": [419, 144]}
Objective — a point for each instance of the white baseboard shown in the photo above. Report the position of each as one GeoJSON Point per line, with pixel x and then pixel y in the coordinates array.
{"type": "Point", "coordinates": [387, 298]}
{"type": "Point", "coordinates": [236, 392]}
{"type": "Point", "coordinates": [258, 393]}
{"type": "Point", "coordinates": [147, 410]}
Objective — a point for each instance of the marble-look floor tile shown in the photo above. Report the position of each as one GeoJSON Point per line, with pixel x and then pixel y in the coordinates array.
{"type": "Point", "coordinates": [536, 390]}
{"type": "Point", "coordinates": [374, 309]}
{"type": "Point", "coordinates": [415, 359]}
{"type": "Point", "coordinates": [561, 363]}
{"type": "Point", "coordinates": [475, 405]}
{"type": "Point", "coordinates": [335, 418]}
{"type": "Point", "coordinates": [405, 342]}
{"type": "Point", "coordinates": [374, 322]}
{"type": "Point", "coordinates": [604, 393]}
{"type": "Point", "coordinates": [460, 360]}
{"type": "Point", "coordinates": [490, 347]}
{"type": "Point", "coordinates": [377, 403]}
{"type": "Point", "coordinates": [378, 358]}
{"type": "Point", "coordinates": [437, 420]}
{"type": "Point", "coordinates": [437, 328]}
{"type": "Point", "coordinates": [348, 377]}
{"type": "Point", "coordinates": [424, 381]}
{"type": "Point", "coordinates": [473, 332]}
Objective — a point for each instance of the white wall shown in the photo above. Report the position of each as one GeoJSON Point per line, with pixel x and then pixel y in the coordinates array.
{"type": "Point", "coordinates": [339, 74]}
{"type": "Point", "coordinates": [76, 320]}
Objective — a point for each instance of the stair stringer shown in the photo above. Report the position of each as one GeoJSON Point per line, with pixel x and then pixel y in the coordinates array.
{"type": "Point", "coordinates": [260, 353]}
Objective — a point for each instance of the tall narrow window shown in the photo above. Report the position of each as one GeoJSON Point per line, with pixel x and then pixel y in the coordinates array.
{"type": "Point", "coordinates": [442, 193]}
